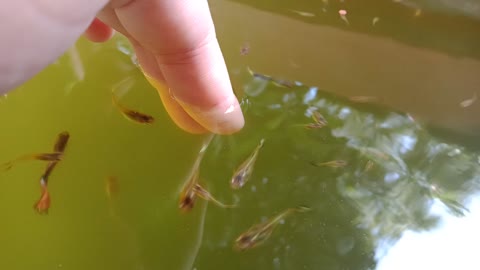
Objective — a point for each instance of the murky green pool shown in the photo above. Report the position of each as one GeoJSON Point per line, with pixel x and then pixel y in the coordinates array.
{"type": "Point", "coordinates": [407, 198]}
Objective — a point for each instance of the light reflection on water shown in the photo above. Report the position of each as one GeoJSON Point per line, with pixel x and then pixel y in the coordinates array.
{"type": "Point", "coordinates": [411, 204]}
{"type": "Point", "coordinates": [356, 211]}
{"type": "Point", "coordinates": [451, 245]}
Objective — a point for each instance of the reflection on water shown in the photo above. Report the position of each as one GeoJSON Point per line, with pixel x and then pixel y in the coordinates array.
{"type": "Point", "coordinates": [397, 171]}
{"type": "Point", "coordinates": [433, 249]}
{"type": "Point", "coordinates": [403, 194]}
{"type": "Point", "coordinates": [386, 51]}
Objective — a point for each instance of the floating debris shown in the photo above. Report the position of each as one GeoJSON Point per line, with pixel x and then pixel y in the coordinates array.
{"type": "Point", "coordinates": [468, 102]}
{"type": "Point", "coordinates": [375, 20]}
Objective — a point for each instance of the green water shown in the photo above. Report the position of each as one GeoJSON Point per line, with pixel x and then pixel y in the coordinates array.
{"type": "Point", "coordinates": [357, 215]}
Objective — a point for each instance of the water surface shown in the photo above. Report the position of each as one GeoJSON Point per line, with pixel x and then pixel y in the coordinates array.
{"type": "Point", "coordinates": [407, 195]}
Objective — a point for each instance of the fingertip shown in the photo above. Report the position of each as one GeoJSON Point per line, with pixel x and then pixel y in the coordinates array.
{"type": "Point", "coordinates": [98, 31]}
{"type": "Point", "coordinates": [225, 118]}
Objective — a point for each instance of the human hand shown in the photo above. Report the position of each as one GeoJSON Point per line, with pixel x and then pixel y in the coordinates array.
{"type": "Point", "coordinates": [174, 41]}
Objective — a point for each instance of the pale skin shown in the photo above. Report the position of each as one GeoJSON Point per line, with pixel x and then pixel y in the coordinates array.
{"type": "Point", "coordinates": [174, 40]}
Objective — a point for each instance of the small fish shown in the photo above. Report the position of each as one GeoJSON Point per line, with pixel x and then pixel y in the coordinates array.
{"type": "Point", "coordinates": [188, 192]}
{"type": "Point", "coordinates": [310, 125]}
{"type": "Point", "coordinates": [245, 49]}
{"type": "Point", "coordinates": [132, 115]}
{"type": "Point", "coordinates": [468, 102]}
{"type": "Point", "coordinates": [318, 121]}
{"type": "Point", "coordinates": [313, 125]}
{"type": "Point", "coordinates": [60, 145]}
{"type": "Point", "coordinates": [244, 171]}
{"type": "Point", "coordinates": [258, 75]}
{"type": "Point", "coordinates": [282, 83]}
{"type": "Point", "coordinates": [363, 99]}
{"type": "Point", "coordinates": [375, 20]}
{"type": "Point", "coordinates": [277, 82]}
{"type": "Point", "coordinates": [369, 165]}
{"type": "Point", "coordinates": [333, 163]}
{"type": "Point", "coordinates": [43, 204]}
{"type": "Point", "coordinates": [259, 233]}
{"type": "Point", "coordinates": [204, 194]}
{"type": "Point", "coordinates": [318, 118]}
{"type": "Point", "coordinates": [55, 156]}
{"type": "Point", "coordinates": [376, 152]}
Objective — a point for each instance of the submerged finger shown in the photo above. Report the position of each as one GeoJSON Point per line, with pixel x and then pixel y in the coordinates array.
{"type": "Point", "coordinates": [181, 35]}
{"type": "Point", "coordinates": [176, 112]}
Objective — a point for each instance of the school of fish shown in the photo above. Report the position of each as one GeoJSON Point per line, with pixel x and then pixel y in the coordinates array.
{"type": "Point", "coordinates": [194, 186]}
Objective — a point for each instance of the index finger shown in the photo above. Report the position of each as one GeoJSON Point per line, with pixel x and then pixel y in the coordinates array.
{"type": "Point", "coordinates": [181, 36]}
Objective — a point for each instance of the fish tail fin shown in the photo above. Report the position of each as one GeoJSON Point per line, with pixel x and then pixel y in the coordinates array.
{"type": "Point", "coordinates": [231, 206]}
{"type": "Point", "coordinates": [115, 100]}
{"type": "Point", "coordinates": [204, 194]}
{"type": "Point", "coordinates": [119, 106]}
{"type": "Point", "coordinates": [43, 204]}
{"type": "Point", "coordinates": [220, 204]}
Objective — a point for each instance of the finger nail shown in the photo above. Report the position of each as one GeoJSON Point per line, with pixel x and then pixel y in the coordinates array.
{"type": "Point", "coordinates": [224, 118]}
